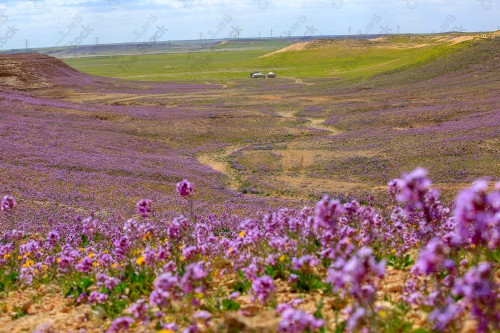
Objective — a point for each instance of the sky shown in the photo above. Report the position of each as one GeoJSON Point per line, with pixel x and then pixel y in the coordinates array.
{"type": "Point", "coordinates": [48, 23]}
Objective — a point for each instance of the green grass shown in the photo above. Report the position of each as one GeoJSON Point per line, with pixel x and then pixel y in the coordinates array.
{"type": "Point", "coordinates": [271, 44]}
{"type": "Point", "coordinates": [236, 59]}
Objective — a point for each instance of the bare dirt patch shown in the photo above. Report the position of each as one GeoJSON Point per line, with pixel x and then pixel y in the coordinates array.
{"type": "Point", "coordinates": [293, 47]}
{"type": "Point", "coordinates": [27, 310]}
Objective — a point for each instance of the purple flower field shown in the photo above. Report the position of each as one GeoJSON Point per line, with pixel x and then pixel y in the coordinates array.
{"type": "Point", "coordinates": [328, 267]}
{"type": "Point", "coordinates": [236, 207]}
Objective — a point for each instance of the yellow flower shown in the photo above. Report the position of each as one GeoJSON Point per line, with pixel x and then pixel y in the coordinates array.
{"type": "Point", "coordinates": [282, 258]}
{"type": "Point", "coordinates": [58, 260]}
{"type": "Point", "coordinates": [199, 295]}
{"type": "Point", "coordinates": [140, 260]}
{"type": "Point", "coordinates": [105, 251]}
{"type": "Point", "coordinates": [95, 264]}
{"type": "Point", "coordinates": [382, 314]}
{"type": "Point", "coordinates": [28, 263]}
{"type": "Point", "coordinates": [242, 234]}
{"type": "Point", "coordinates": [165, 331]}
{"type": "Point", "coordinates": [473, 246]}
{"type": "Point", "coordinates": [114, 265]}
{"type": "Point", "coordinates": [393, 251]}
{"type": "Point", "coordinates": [27, 254]}
{"type": "Point", "coordinates": [91, 255]}
{"type": "Point", "coordinates": [19, 257]}
{"type": "Point", "coordinates": [6, 256]}
{"type": "Point", "coordinates": [182, 258]}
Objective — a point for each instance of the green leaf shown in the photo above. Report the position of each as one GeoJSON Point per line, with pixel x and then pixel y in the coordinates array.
{"type": "Point", "coordinates": [230, 305]}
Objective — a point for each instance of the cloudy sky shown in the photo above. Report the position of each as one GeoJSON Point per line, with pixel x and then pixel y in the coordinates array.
{"type": "Point", "coordinates": [77, 22]}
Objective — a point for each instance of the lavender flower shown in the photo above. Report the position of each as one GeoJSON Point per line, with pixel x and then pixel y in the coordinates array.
{"type": "Point", "coordinates": [53, 237]}
{"type": "Point", "coordinates": [105, 281]}
{"type": "Point", "coordinates": [478, 216]}
{"type": "Point", "coordinates": [85, 265]}
{"type": "Point", "coordinates": [120, 324]}
{"type": "Point", "coordinates": [480, 292]}
{"type": "Point", "coordinates": [139, 310]}
{"type": "Point", "coordinates": [411, 189]}
{"type": "Point", "coordinates": [89, 226]}
{"type": "Point", "coordinates": [121, 246]}
{"type": "Point", "coordinates": [144, 207]}
{"type": "Point", "coordinates": [8, 203]}
{"type": "Point", "coordinates": [97, 297]}
{"type": "Point", "coordinates": [297, 321]}
{"type": "Point", "coordinates": [441, 318]}
{"type": "Point", "coordinates": [263, 287]}
{"type": "Point", "coordinates": [431, 258]}
{"type": "Point", "coordinates": [184, 188]}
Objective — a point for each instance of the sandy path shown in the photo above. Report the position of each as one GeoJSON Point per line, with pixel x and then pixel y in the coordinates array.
{"type": "Point", "coordinates": [218, 160]}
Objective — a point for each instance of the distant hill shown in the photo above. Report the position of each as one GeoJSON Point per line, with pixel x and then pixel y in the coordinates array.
{"type": "Point", "coordinates": [33, 70]}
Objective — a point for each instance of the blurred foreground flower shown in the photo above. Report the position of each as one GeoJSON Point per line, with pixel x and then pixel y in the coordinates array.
{"type": "Point", "coordinates": [296, 321]}
{"type": "Point", "coordinates": [120, 324]}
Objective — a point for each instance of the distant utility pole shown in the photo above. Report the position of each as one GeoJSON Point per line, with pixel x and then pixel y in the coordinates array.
{"type": "Point", "coordinates": [26, 45]}
{"type": "Point", "coordinates": [259, 34]}
{"type": "Point", "coordinates": [349, 31]}
{"type": "Point", "coordinates": [398, 29]}
{"type": "Point", "coordinates": [289, 33]}
{"type": "Point", "coordinates": [271, 32]}
{"type": "Point", "coordinates": [201, 37]}
{"type": "Point", "coordinates": [96, 41]}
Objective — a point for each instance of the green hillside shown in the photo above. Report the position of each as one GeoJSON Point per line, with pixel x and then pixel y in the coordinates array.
{"type": "Point", "coordinates": [343, 59]}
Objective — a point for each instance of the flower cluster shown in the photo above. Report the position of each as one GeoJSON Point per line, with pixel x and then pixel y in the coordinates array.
{"type": "Point", "coordinates": [185, 272]}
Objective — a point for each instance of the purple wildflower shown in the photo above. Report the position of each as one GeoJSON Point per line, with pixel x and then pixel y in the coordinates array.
{"type": "Point", "coordinates": [296, 321]}
{"type": "Point", "coordinates": [120, 324]}
{"type": "Point", "coordinates": [89, 226]}
{"type": "Point", "coordinates": [432, 258]}
{"type": "Point", "coordinates": [263, 287]}
{"type": "Point", "coordinates": [53, 237]}
{"type": "Point", "coordinates": [480, 291]}
{"type": "Point", "coordinates": [139, 310]}
{"type": "Point", "coordinates": [97, 297]}
{"type": "Point", "coordinates": [8, 203]}
{"type": "Point", "coordinates": [121, 246]}
{"type": "Point", "coordinates": [185, 188]}
{"type": "Point", "coordinates": [144, 207]}
{"type": "Point", "coordinates": [411, 189]}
